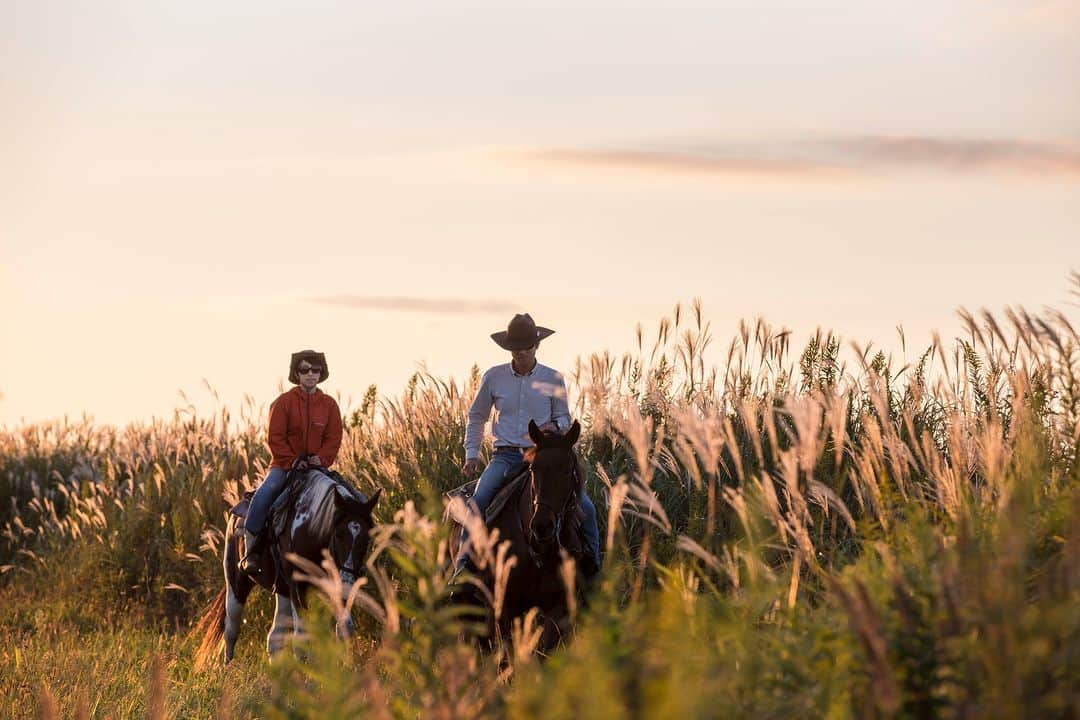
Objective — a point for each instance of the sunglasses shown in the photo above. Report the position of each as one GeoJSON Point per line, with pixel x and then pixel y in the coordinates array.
{"type": "Point", "coordinates": [309, 369]}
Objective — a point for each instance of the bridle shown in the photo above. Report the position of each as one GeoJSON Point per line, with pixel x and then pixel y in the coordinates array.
{"type": "Point", "coordinates": [559, 514]}
{"type": "Point", "coordinates": [346, 567]}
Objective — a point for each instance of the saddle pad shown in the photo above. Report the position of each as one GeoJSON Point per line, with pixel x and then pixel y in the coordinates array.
{"type": "Point", "coordinates": [509, 490]}
{"type": "Point", "coordinates": [279, 511]}
{"type": "Point", "coordinates": [241, 508]}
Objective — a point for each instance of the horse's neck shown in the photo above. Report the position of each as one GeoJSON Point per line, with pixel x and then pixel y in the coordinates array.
{"type": "Point", "coordinates": [305, 508]}
{"type": "Point", "coordinates": [514, 516]}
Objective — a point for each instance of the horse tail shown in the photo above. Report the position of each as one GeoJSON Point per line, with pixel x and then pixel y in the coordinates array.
{"type": "Point", "coordinates": [212, 628]}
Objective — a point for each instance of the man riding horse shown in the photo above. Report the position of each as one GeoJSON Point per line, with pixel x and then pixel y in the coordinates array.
{"type": "Point", "coordinates": [305, 432]}
{"type": "Point", "coordinates": [521, 391]}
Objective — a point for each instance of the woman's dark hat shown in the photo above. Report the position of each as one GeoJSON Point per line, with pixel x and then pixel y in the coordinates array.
{"type": "Point", "coordinates": [521, 334]}
{"type": "Point", "coordinates": [313, 358]}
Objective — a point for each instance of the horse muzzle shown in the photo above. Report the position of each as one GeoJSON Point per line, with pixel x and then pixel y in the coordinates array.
{"type": "Point", "coordinates": [544, 539]}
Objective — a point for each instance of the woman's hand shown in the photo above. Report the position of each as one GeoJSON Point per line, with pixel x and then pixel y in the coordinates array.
{"type": "Point", "coordinates": [472, 467]}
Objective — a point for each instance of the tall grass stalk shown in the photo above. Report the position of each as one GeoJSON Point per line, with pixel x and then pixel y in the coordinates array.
{"type": "Point", "coordinates": [812, 534]}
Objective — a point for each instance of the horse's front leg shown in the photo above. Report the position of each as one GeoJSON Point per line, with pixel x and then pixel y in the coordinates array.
{"type": "Point", "coordinates": [301, 602]}
{"type": "Point", "coordinates": [285, 622]}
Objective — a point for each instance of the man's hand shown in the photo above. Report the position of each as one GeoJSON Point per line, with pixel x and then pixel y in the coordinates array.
{"type": "Point", "coordinates": [472, 467]}
{"type": "Point", "coordinates": [301, 464]}
{"type": "Point", "coordinates": [314, 461]}
{"type": "Point", "coordinates": [550, 428]}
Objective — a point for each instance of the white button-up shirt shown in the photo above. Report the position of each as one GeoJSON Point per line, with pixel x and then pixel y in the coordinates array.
{"type": "Point", "coordinates": [539, 395]}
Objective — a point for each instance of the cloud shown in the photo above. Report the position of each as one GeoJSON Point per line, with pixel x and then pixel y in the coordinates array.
{"type": "Point", "coordinates": [451, 306]}
{"type": "Point", "coordinates": [958, 155]}
{"type": "Point", "coordinates": [834, 155]}
{"type": "Point", "coordinates": [699, 160]}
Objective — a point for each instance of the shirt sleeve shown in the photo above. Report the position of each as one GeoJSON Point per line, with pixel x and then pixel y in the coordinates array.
{"type": "Point", "coordinates": [281, 453]}
{"type": "Point", "coordinates": [478, 415]}
{"type": "Point", "coordinates": [560, 404]}
{"type": "Point", "coordinates": [331, 443]}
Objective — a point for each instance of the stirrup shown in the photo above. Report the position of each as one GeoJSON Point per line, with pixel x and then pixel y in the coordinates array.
{"type": "Point", "coordinates": [460, 590]}
{"type": "Point", "coordinates": [250, 567]}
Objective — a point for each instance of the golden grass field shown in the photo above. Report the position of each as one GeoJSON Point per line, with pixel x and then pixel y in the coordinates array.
{"type": "Point", "coordinates": [787, 535]}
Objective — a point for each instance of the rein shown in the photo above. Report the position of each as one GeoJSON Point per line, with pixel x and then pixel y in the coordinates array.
{"type": "Point", "coordinates": [560, 514]}
{"type": "Point", "coordinates": [345, 567]}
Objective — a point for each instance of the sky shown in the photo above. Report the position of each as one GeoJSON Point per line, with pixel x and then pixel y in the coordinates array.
{"type": "Point", "coordinates": [191, 191]}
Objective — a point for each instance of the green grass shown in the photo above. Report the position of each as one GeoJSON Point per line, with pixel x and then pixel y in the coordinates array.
{"type": "Point", "coordinates": [788, 537]}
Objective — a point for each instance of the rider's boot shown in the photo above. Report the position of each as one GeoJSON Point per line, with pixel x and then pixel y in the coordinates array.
{"type": "Point", "coordinates": [463, 565]}
{"type": "Point", "coordinates": [462, 590]}
{"type": "Point", "coordinates": [249, 564]}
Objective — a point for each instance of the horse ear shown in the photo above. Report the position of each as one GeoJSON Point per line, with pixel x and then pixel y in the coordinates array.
{"type": "Point", "coordinates": [535, 434]}
{"type": "Point", "coordinates": [573, 433]}
{"type": "Point", "coordinates": [370, 504]}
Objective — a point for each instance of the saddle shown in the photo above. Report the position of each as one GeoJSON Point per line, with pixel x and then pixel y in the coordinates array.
{"type": "Point", "coordinates": [573, 536]}
{"type": "Point", "coordinates": [278, 513]}
{"type": "Point", "coordinates": [511, 489]}
{"type": "Point", "coordinates": [275, 518]}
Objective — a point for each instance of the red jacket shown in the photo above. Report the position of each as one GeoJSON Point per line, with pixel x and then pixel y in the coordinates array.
{"type": "Point", "coordinates": [302, 424]}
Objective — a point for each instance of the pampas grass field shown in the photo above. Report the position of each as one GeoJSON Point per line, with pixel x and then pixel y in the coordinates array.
{"type": "Point", "coordinates": [788, 533]}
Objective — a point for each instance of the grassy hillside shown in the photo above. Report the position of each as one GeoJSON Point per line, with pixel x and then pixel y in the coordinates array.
{"type": "Point", "coordinates": [786, 536]}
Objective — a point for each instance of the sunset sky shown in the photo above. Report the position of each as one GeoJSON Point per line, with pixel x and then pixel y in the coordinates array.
{"type": "Point", "coordinates": [193, 190]}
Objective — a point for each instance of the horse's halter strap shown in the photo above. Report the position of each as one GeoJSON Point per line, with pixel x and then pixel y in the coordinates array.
{"type": "Point", "coordinates": [345, 567]}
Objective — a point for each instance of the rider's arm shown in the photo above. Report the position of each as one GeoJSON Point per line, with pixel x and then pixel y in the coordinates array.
{"type": "Point", "coordinates": [331, 441]}
{"type": "Point", "coordinates": [478, 415]}
{"type": "Point", "coordinates": [560, 406]}
{"type": "Point", "coordinates": [278, 434]}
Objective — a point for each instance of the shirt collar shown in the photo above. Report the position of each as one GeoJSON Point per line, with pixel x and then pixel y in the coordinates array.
{"type": "Point", "coordinates": [515, 373]}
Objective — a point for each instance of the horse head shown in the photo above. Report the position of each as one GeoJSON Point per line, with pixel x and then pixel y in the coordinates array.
{"type": "Point", "coordinates": [349, 539]}
{"type": "Point", "coordinates": [350, 536]}
{"type": "Point", "coordinates": [555, 483]}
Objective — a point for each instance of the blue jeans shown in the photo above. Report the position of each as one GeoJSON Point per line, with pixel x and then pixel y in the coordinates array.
{"type": "Point", "coordinates": [264, 497]}
{"type": "Point", "coordinates": [505, 464]}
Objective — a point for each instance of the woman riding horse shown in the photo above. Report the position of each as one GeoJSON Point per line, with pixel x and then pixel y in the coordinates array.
{"type": "Point", "coordinates": [323, 514]}
{"type": "Point", "coordinates": [304, 432]}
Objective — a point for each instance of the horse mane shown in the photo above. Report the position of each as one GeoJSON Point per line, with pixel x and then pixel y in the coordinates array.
{"type": "Point", "coordinates": [321, 489]}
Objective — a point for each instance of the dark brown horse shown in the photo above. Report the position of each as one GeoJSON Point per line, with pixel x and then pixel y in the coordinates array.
{"type": "Point", "coordinates": [542, 522]}
{"type": "Point", "coordinates": [319, 513]}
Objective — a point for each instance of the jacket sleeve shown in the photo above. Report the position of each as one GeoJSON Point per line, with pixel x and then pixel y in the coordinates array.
{"type": "Point", "coordinates": [331, 442]}
{"type": "Point", "coordinates": [478, 415]}
{"type": "Point", "coordinates": [278, 436]}
{"type": "Point", "coordinates": [560, 405]}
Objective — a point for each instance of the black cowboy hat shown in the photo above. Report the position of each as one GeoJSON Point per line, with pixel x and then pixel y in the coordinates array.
{"type": "Point", "coordinates": [521, 334]}
{"type": "Point", "coordinates": [313, 358]}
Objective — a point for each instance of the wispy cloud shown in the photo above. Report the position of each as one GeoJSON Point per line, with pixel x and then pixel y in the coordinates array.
{"type": "Point", "coordinates": [833, 155]}
{"type": "Point", "coordinates": [682, 160]}
{"type": "Point", "coordinates": [958, 154]}
{"type": "Point", "coordinates": [452, 306]}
